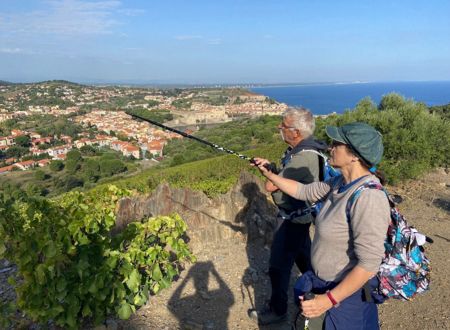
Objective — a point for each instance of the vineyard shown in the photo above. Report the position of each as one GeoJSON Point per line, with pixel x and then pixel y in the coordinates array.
{"type": "Point", "coordinates": [71, 268]}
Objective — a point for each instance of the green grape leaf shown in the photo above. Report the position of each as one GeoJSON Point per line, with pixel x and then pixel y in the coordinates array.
{"type": "Point", "coordinates": [50, 249]}
{"type": "Point", "coordinates": [156, 273]}
{"type": "Point", "coordinates": [124, 311]}
{"type": "Point", "coordinates": [86, 311]}
{"type": "Point", "coordinates": [93, 287]}
{"type": "Point", "coordinates": [133, 281]}
{"type": "Point", "coordinates": [61, 284]}
{"type": "Point", "coordinates": [40, 274]}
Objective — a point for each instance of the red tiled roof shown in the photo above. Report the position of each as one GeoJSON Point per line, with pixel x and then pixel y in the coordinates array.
{"type": "Point", "coordinates": [6, 168]}
{"type": "Point", "coordinates": [131, 148]}
{"type": "Point", "coordinates": [156, 144]}
{"type": "Point", "coordinates": [25, 163]}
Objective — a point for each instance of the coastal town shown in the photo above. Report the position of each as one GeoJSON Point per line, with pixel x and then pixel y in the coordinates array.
{"type": "Point", "coordinates": [100, 114]}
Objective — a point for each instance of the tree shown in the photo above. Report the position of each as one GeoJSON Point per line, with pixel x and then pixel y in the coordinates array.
{"type": "Point", "coordinates": [88, 150]}
{"type": "Point", "coordinates": [40, 175]}
{"type": "Point", "coordinates": [238, 101]}
{"type": "Point", "coordinates": [72, 166]}
{"type": "Point", "coordinates": [91, 170]}
{"type": "Point", "coordinates": [23, 141]}
{"type": "Point", "coordinates": [123, 137]}
{"type": "Point", "coordinates": [392, 101]}
{"type": "Point", "coordinates": [111, 167]}
{"type": "Point", "coordinates": [177, 160]}
{"type": "Point", "coordinates": [16, 152]}
{"type": "Point", "coordinates": [74, 155]}
{"type": "Point", "coordinates": [72, 182]}
{"type": "Point", "coordinates": [56, 165]}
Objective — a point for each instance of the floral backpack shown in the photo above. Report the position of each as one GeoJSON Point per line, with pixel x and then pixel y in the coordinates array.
{"type": "Point", "coordinates": [404, 270]}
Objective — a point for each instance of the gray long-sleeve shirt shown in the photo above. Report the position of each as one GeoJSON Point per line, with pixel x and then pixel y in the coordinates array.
{"type": "Point", "coordinates": [339, 245]}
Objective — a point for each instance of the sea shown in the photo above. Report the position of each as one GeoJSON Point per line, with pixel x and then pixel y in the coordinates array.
{"type": "Point", "coordinates": [324, 99]}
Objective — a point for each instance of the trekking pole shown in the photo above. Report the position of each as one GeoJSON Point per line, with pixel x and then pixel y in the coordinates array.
{"type": "Point", "coordinates": [307, 296]}
{"type": "Point", "coordinates": [271, 167]}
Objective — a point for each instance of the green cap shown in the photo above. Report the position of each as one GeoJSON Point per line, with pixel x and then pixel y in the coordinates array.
{"type": "Point", "coordinates": [365, 140]}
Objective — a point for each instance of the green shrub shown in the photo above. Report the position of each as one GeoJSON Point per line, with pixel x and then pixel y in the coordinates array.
{"type": "Point", "coordinates": [72, 269]}
{"type": "Point", "coordinates": [40, 175]}
{"type": "Point", "coordinates": [110, 167]}
{"type": "Point", "coordinates": [414, 139]}
{"type": "Point", "coordinates": [56, 165]}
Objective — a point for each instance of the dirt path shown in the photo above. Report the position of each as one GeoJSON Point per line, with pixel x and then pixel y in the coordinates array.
{"type": "Point", "coordinates": [229, 279]}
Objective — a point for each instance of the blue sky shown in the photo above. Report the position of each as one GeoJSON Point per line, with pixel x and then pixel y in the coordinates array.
{"type": "Point", "coordinates": [228, 41]}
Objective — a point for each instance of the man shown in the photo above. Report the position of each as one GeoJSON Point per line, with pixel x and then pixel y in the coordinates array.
{"type": "Point", "coordinates": [291, 241]}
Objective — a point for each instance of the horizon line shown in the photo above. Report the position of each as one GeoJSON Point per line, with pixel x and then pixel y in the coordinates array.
{"type": "Point", "coordinates": [217, 84]}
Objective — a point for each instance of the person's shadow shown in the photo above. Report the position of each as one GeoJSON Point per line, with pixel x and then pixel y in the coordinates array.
{"type": "Point", "coordinates": [256, 221]}
{"type": "Point", "coordinates": [208, 306]}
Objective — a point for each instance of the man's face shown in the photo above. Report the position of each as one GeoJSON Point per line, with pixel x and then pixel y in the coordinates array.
{"type": "Point", "coordinates": [288, 132]}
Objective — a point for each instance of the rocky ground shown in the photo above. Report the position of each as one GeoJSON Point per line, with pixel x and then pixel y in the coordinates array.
{"type": "Point", "coordinates": [230, 277]}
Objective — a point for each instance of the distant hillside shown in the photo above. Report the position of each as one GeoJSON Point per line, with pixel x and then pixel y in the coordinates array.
{"type": "Point", "coordinates": [58, 82]}
{"type": "Point", "coordinates": [53, 82]}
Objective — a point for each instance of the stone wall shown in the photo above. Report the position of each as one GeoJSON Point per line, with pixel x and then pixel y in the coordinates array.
{"type": "Point", "coordinates": [245, 212]}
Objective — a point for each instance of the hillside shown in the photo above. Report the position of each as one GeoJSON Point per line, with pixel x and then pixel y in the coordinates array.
{"type": "Point", "coordinates": [230, 234]}
{"type": "Point", "coordinates": [230, 275]}
{"type": "Point", "coordinates": [229, 222]}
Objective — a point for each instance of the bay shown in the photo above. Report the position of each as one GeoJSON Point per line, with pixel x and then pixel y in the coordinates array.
{"type": "Point", "coordinates": [324, 99]}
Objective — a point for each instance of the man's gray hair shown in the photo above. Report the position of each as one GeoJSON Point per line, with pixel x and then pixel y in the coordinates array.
{"type": "Point", "coordinates": [303, 120]}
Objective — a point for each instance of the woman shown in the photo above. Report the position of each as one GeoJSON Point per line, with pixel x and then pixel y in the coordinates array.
{"type": "Point", "coordinates": [345, 253]}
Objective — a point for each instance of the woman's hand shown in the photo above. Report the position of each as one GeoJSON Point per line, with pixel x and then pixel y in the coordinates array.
{"type": "Point", "coordinates": [287, 186]}
{"type": "Point", "coordinates": [315, 307]}
{"type": "Point", "coordinates": [260, 163]}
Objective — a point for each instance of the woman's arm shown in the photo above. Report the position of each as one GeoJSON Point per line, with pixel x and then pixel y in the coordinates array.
{"type": "Point", "coordinates": [354, 281]}
{"type": "Point", "coordinates": [369, 223]}
{"type": "Point", "coordinates": [270, 187]}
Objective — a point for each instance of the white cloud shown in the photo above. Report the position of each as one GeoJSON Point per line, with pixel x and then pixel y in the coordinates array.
{"type": "Point", "coordinates": [67, 17]}
{"type": "Point", "coordinates": [188, 37]}
{"type": "Point", "coordinates": [215, 41]}
{"type": "Point", "coordinates": [15, 50]}
{"type": "Point", "coordinates": [10, 50]}
{"type": "Point", "coordinates": [132, 12]}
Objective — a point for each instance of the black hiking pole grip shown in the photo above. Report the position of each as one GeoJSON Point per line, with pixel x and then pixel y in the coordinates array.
{"type": "Point", "coordinates": [306, 296]}
{"type": "Point", "coordinates": [309, 296]}
{"type": "Point", "coordinates": [270, 166]}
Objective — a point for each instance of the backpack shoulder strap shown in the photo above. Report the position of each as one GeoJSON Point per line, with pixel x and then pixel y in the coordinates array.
{"type": "Point", "coordinates": [366, 185]}
{"type": "Point", "coordinates": [318, 153]}
{"type": "Point", "coordinates": [322, 161]}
